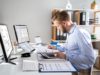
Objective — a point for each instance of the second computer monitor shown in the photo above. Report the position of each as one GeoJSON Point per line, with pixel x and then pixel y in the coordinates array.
{"type": "Point", "coordinates": [5, 42]}
{"type": "Point", "coordinates": [21, 32]}
{"type": "Point", "coordinates": [1, 53]}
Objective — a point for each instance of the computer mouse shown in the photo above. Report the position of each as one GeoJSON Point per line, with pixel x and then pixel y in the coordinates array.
{"type": "Point", "coordinates": [26, 55]}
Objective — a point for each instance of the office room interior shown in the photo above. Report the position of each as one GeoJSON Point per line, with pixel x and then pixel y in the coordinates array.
{"type": "Point", "coordinates": [40, 37]}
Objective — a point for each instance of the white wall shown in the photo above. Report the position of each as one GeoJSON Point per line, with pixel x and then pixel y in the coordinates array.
{"type": "Point", "coordinates": [34, 13]}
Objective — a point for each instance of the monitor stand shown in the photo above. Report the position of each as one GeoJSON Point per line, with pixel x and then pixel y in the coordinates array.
{"type": "Point", "coordinates": [10, 60]}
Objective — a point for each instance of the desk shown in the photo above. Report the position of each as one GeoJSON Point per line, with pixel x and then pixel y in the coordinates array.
{"type": "Point", "coordinates": [9, 69]}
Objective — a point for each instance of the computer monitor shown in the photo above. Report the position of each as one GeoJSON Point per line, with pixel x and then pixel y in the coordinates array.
{"type": "Point", "coordinates": [21, 33]}
{"type": "Point", "coordinates": [1, 54]}
{"type": "Point", "coordinates": [5, 42]}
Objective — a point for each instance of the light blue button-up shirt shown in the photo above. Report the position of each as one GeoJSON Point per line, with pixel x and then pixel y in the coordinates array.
{"type": "Point", "coordinates": [78, 48]}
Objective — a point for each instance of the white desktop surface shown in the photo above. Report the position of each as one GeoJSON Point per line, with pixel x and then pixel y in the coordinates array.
{"type": "Point", "coordinates": [9, 69]}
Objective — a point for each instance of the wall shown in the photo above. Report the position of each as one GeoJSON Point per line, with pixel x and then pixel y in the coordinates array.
{"type": "Point", "coordinates": [34, 13]}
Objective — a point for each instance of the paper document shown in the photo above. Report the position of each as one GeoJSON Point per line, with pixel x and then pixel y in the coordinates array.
{"type": "Point", "coordinates": [56, 67]}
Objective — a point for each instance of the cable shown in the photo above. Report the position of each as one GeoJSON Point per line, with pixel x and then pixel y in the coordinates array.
{"type": "Point", "coordinates": [1, 59]}
{"type": "Point", "coordinates": [1, 55]}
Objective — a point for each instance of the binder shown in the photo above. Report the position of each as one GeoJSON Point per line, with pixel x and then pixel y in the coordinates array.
{"type": "Point", "coordinates": [82, 18]}
{"type": "Point", "coordinates": [61, 35]}
{"type": "Point", "coordinates": [54, 32]}
{"type": "Point", "coordinates": [64, 36]}
{"type": "Point", "coordinates": [76, 17]}
{"type": "Point", "coordinates": [58, 34]}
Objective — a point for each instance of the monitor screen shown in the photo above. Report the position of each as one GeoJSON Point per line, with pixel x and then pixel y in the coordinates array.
{"type": "Point", "coordinates": [6, 40]}
{"type": "Point", "coordinates": [21, 33]}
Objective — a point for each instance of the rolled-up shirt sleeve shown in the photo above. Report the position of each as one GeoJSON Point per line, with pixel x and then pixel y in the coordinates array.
{"type": "Point", "coordinates": [62, 48]}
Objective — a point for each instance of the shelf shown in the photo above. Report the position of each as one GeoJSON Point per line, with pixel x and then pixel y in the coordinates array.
{"type": "Point", "coordinates": [95, 69]}
{"type": "Point", "coordinates": [96, 40]}
{"type": "Point", "coordinates": [61, 41]}
{"type": "Point", "coordinates": [89, 10]}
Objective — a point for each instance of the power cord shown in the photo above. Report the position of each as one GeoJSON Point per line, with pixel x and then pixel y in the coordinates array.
{"type": "Point", "coordinates": [1, 59]}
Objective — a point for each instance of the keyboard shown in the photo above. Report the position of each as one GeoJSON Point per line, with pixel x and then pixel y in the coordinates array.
{"type": "Point", "coordinates": [26, 47]}
{"type": "Point", "coordinates": [55, 67]}
{"type": "Point", "coordinates": [29, 65]}
{"type": "Point", "coordinates": [41, 49]}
